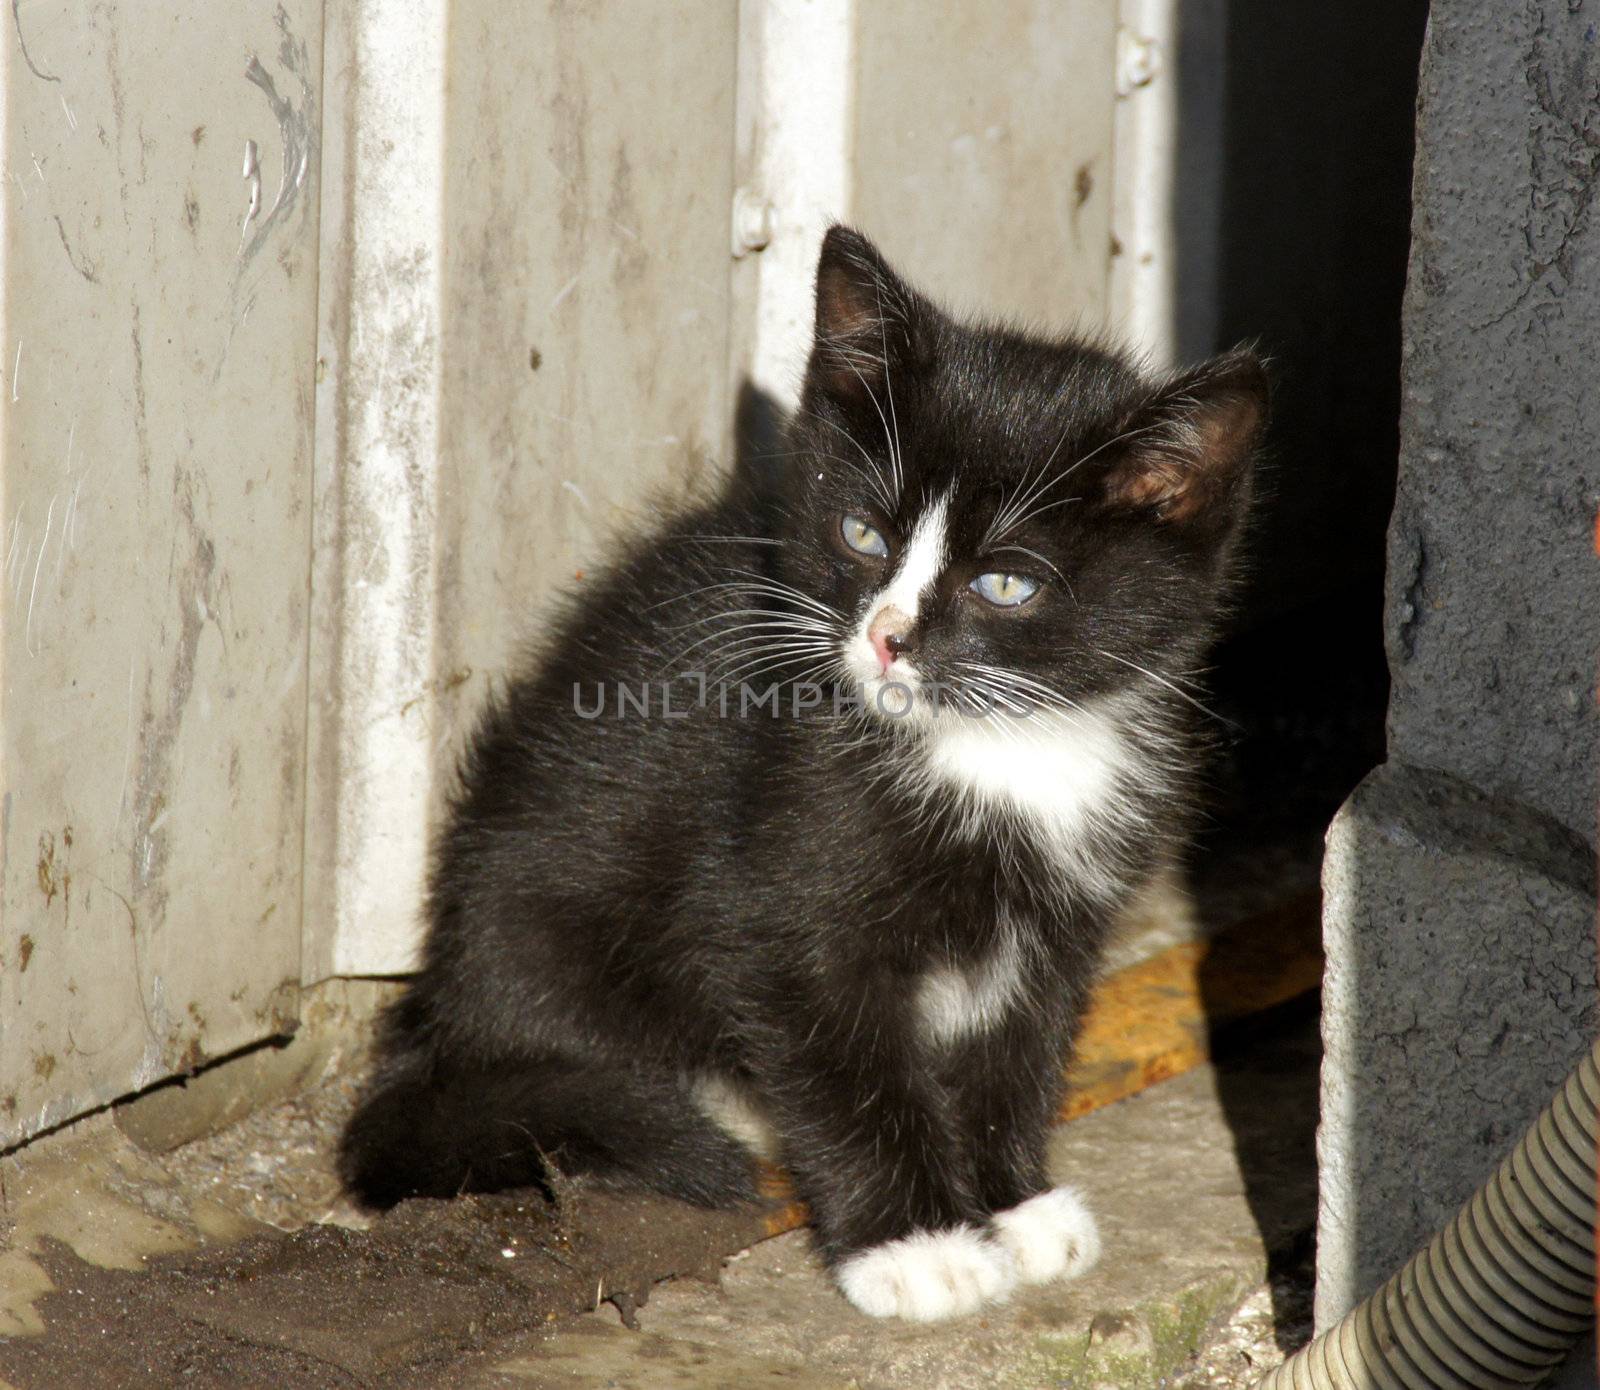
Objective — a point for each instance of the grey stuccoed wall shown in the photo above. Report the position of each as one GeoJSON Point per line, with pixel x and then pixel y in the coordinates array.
{"type": "Point", "coordinates": [1459, 879]}
{"type": "Point", "coordinates": [1494, 592]}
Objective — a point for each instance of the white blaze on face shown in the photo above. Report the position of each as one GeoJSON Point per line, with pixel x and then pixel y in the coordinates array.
{"type": "Point", "coordinates": [920, 562]}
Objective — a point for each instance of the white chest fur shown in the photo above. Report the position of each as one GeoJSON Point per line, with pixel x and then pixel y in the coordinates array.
{"type": "Point", "coordinates": [1068, 777]}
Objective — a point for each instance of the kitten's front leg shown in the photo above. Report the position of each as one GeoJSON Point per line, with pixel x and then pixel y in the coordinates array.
{"type": "Point", "coordinates": [1009, 1083]}
{"type": "Point", "coordinates": [871, 1140]}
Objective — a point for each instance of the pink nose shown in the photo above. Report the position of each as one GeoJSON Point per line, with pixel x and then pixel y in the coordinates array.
{"type": "Point", "coordinates": [889, 632]}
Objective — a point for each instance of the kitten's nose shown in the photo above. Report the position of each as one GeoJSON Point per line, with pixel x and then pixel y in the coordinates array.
{"type": "Point", "coordinates": [890, 634]}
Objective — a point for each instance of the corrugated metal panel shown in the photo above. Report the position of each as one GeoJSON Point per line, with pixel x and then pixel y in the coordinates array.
{"type": "Point", "coordinates": [155, 422]}
{"type": "Point", "coordinates": [573, 321]}
{"type": "Point", "coordinates": [983, 151]}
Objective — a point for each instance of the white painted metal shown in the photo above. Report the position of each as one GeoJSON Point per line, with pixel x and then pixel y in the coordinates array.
{"type": "Point", "coordinates": [1168, 183]}
{"type": "Point", "coordinates": [989, 180]}
{"type": "Point", "coordinates": [157, 290]}
{"type": "Point", "coordinates": [553, 239]}
{"type": "Point", "coordinates": [524, 332]}
{"type": "Point", "coordinates": [378, 401]}
{"type": "Point", "coordinates": [796, 127]}
{"type": "Point", "coordinates": [1143, 308]}
{"type": "Point", "coordinates": [981, 157]}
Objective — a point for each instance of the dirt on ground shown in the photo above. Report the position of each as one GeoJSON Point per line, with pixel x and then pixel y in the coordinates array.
{"type": "Point", "coordinates": [432, 1282]}
{"type": "Point", "coordinates": [280, 1165]}
{"type": "Point", "coordinates": [433, 1293]}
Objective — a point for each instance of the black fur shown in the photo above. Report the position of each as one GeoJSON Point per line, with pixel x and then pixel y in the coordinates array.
{"type": "Point", "coordinates": [621, 904]}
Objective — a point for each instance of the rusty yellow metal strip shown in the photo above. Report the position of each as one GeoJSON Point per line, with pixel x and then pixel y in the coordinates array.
{"type": "Point", "coordinates": [1156, 1019]}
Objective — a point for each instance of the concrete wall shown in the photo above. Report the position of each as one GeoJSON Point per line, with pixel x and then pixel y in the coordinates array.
{"type": "Point", "coordinates": [1460, 912]}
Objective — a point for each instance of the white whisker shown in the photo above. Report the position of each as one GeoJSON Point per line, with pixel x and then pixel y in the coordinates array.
{"type": "Point", "coordinates": [1171, 685]}
{"type": "Point", "coordinates": [1024, 550]}
{"type": "Point", "coordinates": [1021, 510]}
{"type": "Point", "coordinates": [894, 458]}
{"type": "Point", "coordinates": [888, 387]}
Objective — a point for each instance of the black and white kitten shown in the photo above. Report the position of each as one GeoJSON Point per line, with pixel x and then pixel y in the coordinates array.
{"type": "Point", "coordinates": [870, 903]}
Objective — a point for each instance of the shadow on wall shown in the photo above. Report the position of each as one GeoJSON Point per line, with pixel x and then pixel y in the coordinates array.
{"type": "Point", "coordinates": [1316, 135]}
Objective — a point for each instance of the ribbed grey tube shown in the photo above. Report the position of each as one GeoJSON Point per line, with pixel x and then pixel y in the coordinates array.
{"type": "Point", "coordinates": [1500, 1296]}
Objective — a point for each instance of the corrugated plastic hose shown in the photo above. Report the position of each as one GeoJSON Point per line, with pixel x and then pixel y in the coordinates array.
{"type": "Point", "coordinates": [1500, 1296]}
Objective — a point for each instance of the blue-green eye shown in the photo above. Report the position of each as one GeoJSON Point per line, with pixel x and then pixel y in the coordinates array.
{"type": "Point", "coordinates": [1004, 590]}
{"type": "Point", "coordinates": [862, 537]}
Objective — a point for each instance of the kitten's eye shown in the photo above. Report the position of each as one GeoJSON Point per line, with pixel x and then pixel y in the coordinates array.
{"type": "Point", "coordinates": [863, 538]}
{"type": "Point", "coordinates": [1004, 590]}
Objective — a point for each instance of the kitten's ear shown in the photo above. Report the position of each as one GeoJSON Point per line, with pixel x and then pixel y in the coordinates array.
{"type": "Point", "coordinates": [1189, 449]}
{"type": "Point", "coordinates": [866, 317]}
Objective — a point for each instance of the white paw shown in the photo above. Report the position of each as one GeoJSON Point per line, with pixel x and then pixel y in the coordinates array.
{"type": "Point", "coordinates": [1051, 1236]}
{"type": "Point", "coordinates": [928, 1276]}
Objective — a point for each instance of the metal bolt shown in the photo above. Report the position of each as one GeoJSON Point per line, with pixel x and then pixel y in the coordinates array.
{"type": "Point", "coordinates": [754, 221]}
{"type": "Point", "coordinates": [1138, 61]}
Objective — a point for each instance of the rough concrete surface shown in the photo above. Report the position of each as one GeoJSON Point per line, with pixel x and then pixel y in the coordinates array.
{"type": "Point", "coordinates": [1460, 991]}
{"type": "Point", "coordinates": [199, 1267]}
{"type": "Point", "coordinates": [1494, 595]}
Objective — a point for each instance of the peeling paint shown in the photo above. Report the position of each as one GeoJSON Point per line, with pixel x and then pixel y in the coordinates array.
{"type": "Point", "coordinates": [33, 588]}
{"type": "Point", "coordinates": [140, 410]}
{"type": "Point", "coordinates": [89, 272]}
{"type": "Point", "coordinates": [135, 571]}
{"type": "Point", "coordinates": [297, 130]}
{"type": "Point", "coordinates": [251, 173]}
{"type": "Point", "coordinates": [193, 1057]}
{"type": "Point", "coordinates": [22, 43]}
{"type": "Point", "coordinates": [49, 882]}
{"type": "Point", "coordinates": [12, 554]}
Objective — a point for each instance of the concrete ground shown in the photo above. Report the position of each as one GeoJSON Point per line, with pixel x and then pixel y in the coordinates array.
{"type": "Point", "coordinates": [119, 1268]}
{"type": "Point", "coordinates": [1187, 1240]}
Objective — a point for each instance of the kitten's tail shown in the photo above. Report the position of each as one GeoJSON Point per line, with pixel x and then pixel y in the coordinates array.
{"type": "Point", "coordinates": [434, 1128]}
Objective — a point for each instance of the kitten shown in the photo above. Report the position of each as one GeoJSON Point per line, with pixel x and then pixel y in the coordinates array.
{"type": "Point", "coordinates": [870, 897]}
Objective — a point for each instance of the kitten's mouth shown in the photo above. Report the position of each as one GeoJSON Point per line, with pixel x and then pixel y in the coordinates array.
{"type": "Point", "coordinates": [896, 693]}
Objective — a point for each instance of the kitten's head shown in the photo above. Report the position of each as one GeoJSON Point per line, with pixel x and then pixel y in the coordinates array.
{"type": "Point", "coordinates": [997, 520]}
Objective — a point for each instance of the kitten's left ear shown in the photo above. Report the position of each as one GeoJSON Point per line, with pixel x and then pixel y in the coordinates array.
{"type": "Point", "coordinates": [1189, 449]}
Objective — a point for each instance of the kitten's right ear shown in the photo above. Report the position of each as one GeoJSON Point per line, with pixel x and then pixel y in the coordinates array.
{"type": "Point", "coordinates": [1190, 446]}
{"type": "Point", "coordinates": [866, 317]}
